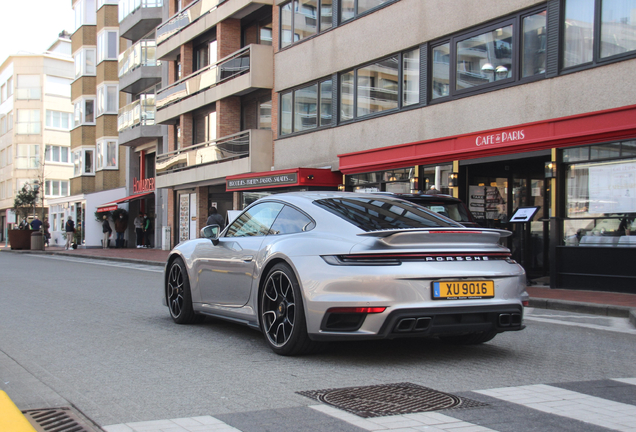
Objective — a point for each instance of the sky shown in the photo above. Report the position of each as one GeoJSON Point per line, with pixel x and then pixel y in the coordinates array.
{"type": "Point", "coordinates": [32, 25]}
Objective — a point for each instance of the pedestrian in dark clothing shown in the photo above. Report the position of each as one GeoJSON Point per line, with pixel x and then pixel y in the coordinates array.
{"type": "Point", "coordinates": [70, 230]}
{"type": "Point", "coordinates": [148, 230]}
{"type": "Point", "coordinates": [215, 218]}
{"type": "Point", "coordinates": [24, 224]}
{"type": "Point", "coordinates": [107, 231]}
{"type": "Point", "coordinates": [139, 229]}
{"type": "Point", "coordinates": [36, 224]}
{"type": "Point", "coordinates": [47, 234]}
{"type": "Point", "coordinates": [120, 228]}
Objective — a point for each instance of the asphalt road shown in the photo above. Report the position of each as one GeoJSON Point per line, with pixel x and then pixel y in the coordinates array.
{"type": "Point", "coordinates": [95, 335]}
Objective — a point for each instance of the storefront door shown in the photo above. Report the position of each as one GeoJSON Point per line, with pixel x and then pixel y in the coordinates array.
{"type": "Point", "coordinates": [496, 190]}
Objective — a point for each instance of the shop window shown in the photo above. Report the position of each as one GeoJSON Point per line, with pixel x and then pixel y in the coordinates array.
{"type": "Point", "coordinates": [600, 195]}
{"type": "Point", "coordinates": [300, 108]}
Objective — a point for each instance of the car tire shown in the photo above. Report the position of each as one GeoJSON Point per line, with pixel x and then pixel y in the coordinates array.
{"type": "Point", "coordinates": [470, 339]}
{"type": "Point", "coordinates": [282, 314]}
{"type": "Point", "coordinates": [179, 296]}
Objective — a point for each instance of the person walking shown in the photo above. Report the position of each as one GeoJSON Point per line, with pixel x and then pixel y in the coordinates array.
{"type": "Point", "coordinates": [215, 218]}
{"type": "Point", "coordinates": [107, 231]}
{"type": "Point", "coordinates": [139, 229]}
{"type": "Point", "coordinates": [69, 228]}
{"type": "Point", "coordinates": [120, 228]}
{"type": "Point", "coordinates": [47, 234]}
{"type": "Point", "coordinates": [148, 230]}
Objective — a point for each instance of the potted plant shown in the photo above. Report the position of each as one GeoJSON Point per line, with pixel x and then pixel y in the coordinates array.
{"type": "Point", "coordinates": [24, 203]}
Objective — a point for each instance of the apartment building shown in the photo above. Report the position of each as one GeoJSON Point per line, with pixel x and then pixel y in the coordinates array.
{"type": "Point", "coordinates": [98, 161]}
{"type": "Point", "coordinates": [36, 117]}
{"type": "Point", "coordinates": [508, 105]}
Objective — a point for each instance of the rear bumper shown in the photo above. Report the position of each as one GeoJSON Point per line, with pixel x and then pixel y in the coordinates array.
{"type": "Point", "coordinates": [438, 321]}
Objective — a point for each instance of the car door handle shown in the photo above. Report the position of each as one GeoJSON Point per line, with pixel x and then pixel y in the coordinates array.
{"type": "Point", "coordinates": [248, 258]}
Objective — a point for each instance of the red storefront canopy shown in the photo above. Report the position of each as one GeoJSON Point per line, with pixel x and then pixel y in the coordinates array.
{"type": "Point", "coordinates": [113, 205]}
{"type": "Point", "coordinates": [283, 178]}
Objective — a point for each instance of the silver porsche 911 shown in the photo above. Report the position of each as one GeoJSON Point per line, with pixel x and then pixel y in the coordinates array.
{"type": "Point", "coordinates": [310, 267]}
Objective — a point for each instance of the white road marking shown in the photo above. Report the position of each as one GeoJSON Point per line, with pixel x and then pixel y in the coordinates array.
{"type": "Point", "coordinates": [566, 403]}
{"type": "Point", "coordinates": [428, 421]}
{"type": "Point", "coordinates": [191, 424]}
{"type": "Point", "coordinates": [120, 264]}
{"type": "Point", "coordinates": [625, 329]}
{"type": "Point", "coordinates": [631, 381]}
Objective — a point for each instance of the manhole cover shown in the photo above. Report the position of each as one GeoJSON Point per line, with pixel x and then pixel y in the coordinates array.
{"type": "Point", "coordinates": [59, 420]}
{"type": "Point", "coordinates": [389, 399]}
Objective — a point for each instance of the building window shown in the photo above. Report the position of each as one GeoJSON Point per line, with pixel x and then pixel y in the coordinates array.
{"type": "Point", "coordinates": [57, 86]}
{"type": "Point", "coordinates": [55, 188]}
{"type": "Point", "coordinates": [107, 48]}
{"type": "Point", "coordinates": [300, 107]}
{"type": "Point", "coordinates": [615, 27]}
{"type": "Point", "coordinates": [10, 87]}
{"type": "Point", "coordinates": [84, 113]}
{"type": "Point", "coordinates": [59, 120]}
{"type": "Point", "coordinates": [3, 92]}
{"type": "Point", "coordinates": [300, 19]}
{"type": "Point", "coordinates": [85, 13]}
{"type": "Point", "coordinates": [351, 8]}
{"type": "Point", "coordinates": [83, 162]}
{"type": "Point", "coordinates": [106, 153]}
{"type": "Point", "coordinates": [85, 62]}
{"type": "Point", "coordinates": [29, 87]}
{"type": "Point", "coordinates": [3, 125]}
{"type": "Point", "coordinates": [493, 56]}
{"type": "Point", "coordinates": [600, 203]}
{"type": "Point", "coordinates": [56, 154]}
{"type": "Point", "coordinates": [10, 121]}
{"type": "Point", "coordinates": [411, 77]}
{"type": "Point", "coordinates": [28, 122]}
{"type": "Point", "coordinates": [107, 98]}
{"type": "Point", "coordinates": [28, 156]}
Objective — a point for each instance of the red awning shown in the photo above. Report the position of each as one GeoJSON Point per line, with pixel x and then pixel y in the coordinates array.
{"type": "Point", "coordinates": [110, 206]}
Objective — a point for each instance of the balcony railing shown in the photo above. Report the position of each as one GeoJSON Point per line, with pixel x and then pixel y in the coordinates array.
{"type": "Point", "coordinates": [138, 113]}
{"type": "Point", "coordinates": [143, 53]}
{"type": "Point", "coordinates": [230, 67]}
{"type": "Point", "coordinates": [185, 17]}
{"type": "Point", "coordinates": [221, 150]}
{"type": "Point", "coordinates": [126, 7]}
{"type": "Point", "coordinates": [29, 93]}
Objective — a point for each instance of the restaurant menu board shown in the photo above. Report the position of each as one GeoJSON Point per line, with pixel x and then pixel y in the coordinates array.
{"type": "Point", "coordinates": [613, 188]}
{"type": "Point", "coordinates": [184, 217]}
{"type": "Point", "coordinates": [524, 214]}
{"type": "Point", "coordinates": [485, 202]}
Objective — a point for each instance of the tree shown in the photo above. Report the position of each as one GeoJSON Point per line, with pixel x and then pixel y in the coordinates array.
{"type": "Point", "coordinates": [25, 201]}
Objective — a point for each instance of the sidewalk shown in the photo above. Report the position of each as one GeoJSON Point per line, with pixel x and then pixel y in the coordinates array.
{"type": "Point", "coordinates": [591, 302]}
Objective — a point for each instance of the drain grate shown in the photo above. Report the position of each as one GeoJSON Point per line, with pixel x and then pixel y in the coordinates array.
{"type": "Point", "coordinates": [59, 420]}
{"type": "Point", "coordinates": [389, 399]}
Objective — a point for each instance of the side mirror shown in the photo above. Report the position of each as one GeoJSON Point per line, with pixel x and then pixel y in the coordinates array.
{"type": "Point", "coordinates": [211, 232]}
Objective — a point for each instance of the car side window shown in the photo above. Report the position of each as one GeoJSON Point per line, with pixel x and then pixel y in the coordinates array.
{"type": "Point", "coordinates": [290, 221]}
{"type": "Point", "coordinates": [256, 221]}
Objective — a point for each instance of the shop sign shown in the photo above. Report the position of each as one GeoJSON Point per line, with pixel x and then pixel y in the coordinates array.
{"type": "Point", "coordinates": [272, 181]}
{"type": "Point", "coordinates": [500, 138]}
{"type": "Point", "coordinates": [143, 185]}
{"type": "Point", "coordinates": [10, 215]}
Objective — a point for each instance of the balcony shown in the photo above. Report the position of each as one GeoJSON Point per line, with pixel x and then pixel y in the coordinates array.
{"type": "Point", "coordinates": [136, 123]}
{"type": "Point", "coordinates": [198, 17]}
{"type": "Point", "coordinates": [139, 17]}
{"type": "Point", "coordinates": [139, 68]}
{"type": "Point", "coordinates": [244, 152]}
{"type": "Point", "coordinates": [244, 71]}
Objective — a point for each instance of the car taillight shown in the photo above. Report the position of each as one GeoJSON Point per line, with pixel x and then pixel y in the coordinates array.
{"type": "Point", "coordinates": [526, 303]}
{"type": "Point", "coordinates": [360, 310]}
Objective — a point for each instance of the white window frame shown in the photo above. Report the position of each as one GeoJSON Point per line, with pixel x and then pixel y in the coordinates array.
{"type": "Point", "coordinates": [101, 3]}
{"type": "Point", "coordinates": [48, 188]}
{"type": "Point", "coordinates": [82, 68]}
{"type": "Point", "coordinates": [104, 102]}
{"type": "Point", "coordinates": [29, 131]}
{"type": "Point", "coordinates": [103, 45]}
{"type": "Point", "coordinates": [48, 120]}
{"type": "Point", "coordinates": [79, 157]}
{"type": "Point", "coordinates": [48, 154]}
{"type": "Point", "coordinates": [84, 15]}
{"type": "Point", "coordinates": [101, 153]}
{"type": "Point", "coordinates": [79, 111]}
{"type": "Point", "coordinates": [32, 156]}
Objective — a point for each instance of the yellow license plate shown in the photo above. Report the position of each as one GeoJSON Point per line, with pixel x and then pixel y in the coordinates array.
{"type": "Point", "coordinates": [460, 290]}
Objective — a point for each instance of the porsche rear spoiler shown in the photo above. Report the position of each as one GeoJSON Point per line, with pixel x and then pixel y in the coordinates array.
{"type": "Point", "coordinates": [437, 235]}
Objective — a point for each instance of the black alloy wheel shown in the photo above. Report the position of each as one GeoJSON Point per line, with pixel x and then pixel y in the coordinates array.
{"type": "Point", "coordinates": [282, 316]}
{"type": "Point", "coordinates": [178, 295]}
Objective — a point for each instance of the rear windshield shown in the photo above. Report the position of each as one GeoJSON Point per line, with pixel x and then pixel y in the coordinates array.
{"type": "Point", "coordinates": [373, 214]}
{"type": "Point", "coordinates": [455, 211]}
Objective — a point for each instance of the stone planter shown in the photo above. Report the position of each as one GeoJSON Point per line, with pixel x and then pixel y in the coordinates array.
{"type": "Point", "coordinates": [20, 239]}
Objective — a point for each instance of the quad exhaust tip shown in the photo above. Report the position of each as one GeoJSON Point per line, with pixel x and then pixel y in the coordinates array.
{"type": "Point", "coordinates": [506, 320]}
{"type": "Point", "coordinates": [413, 324]}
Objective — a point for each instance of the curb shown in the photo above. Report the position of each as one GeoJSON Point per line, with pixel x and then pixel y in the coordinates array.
{"type": "Point", "coordinates": [11, 418]}
{"type": "Point", "coordinates": [587, 308]}
{"type": "Point", "coordinates": [64, 254]}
